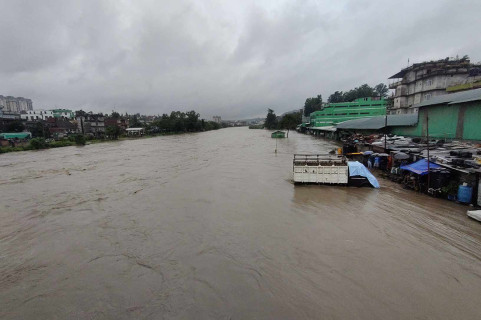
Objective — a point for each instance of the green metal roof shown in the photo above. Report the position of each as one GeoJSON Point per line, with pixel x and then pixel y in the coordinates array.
{"type": "Point", "coordinates": [375, 123]}
{"type": "Point", "coordinates": [13, 135]}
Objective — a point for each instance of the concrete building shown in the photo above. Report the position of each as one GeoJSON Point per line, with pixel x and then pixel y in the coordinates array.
{"type": "Point", "coordinates": [423, 81]}
{"type": "Point", "coordinates": [122, 123]}
{"type": "Point", "coordinates": [217, 119]}
{"type": "Point", "coordinates": [63, 113]}
{"type": "Point", "coordinates": [91, 124]}
{"type": "Point", "coordinates": [32, 115]}
{"type": "Point", "coordinates": [15, 105]}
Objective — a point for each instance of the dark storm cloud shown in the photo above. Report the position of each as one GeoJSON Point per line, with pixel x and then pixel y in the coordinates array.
{"type": "Point", "coordinates": [232, 59]}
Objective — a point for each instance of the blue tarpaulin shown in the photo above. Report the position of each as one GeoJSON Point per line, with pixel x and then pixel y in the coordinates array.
{"type": "Point", "coordinates": [358, 169]}
{"type": "Point", "coordinates": [420, 167]}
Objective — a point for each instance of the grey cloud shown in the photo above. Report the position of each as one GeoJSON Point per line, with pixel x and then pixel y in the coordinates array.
{"type": "Point", "coordinates": [232, 59]}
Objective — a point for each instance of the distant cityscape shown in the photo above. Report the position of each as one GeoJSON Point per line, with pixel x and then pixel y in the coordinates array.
{"type": "Point", "coordinates": [412, 87]}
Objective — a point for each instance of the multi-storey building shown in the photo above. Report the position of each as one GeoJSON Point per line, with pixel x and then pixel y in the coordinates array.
{"type": "Point", "coordinates": [422, 81]}
{"type": "Point", "coordinates": [15, 105]}
{"type": "Point", "coordinates": [63, 113]}
{"type": "Point", "coordinates": [333, 113]}
{"type": "Point", "coordinates": [217, 119]}
{"type": "Point", "coordinates": [32, 115]}
{"type": "Point", "coordinates": [91, 124]}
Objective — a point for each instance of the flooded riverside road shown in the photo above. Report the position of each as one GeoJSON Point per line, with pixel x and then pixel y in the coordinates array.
{"type": "Point", "coordinates": [209, 226]}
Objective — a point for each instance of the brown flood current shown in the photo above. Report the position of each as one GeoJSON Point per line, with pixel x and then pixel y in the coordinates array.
{"type": "Point", "coordinates": [209, 226]}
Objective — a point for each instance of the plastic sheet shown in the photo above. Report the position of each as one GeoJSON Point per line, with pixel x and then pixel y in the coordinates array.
{"type": "Point", "coordinates": [475, 214]}
{"type": "Point", "coordinates": [358, 169]}
{"type": "Point", "coordinates": [420, 167]}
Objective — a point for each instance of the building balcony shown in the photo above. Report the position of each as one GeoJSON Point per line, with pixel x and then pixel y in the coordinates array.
{"type": "Point", "coordinates": [394, 85]}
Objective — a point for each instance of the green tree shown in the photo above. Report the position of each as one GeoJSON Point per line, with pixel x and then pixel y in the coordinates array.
{"type": "Point", "coordinates": [113, 132]}
{"type": "Point", "coordinates": [336, 97]}
{"type": "Point", "coordinates": [39, 130]}
{"type": "Point", "coordinates": [115, 115]}
{"type": "Point", "coordinates": [381, 90]}
{"type": "Point", "coordinates": [135, 123]}
{"type": "Point", "coordinates": [312, 104]}
{"type": "Point", "coordinates": [363, 91]}
{"type": "Point", "coordinates": [80, 139]}
{"type": "Point", "coordinates": [192, 121]}
{"type": "Point", "coordinates": [271, 120]}
{"type": "Point", "coordinates": [290, 121]}
{"type": "Point", "coordinates": [15, 126]}
{"type": "Point", "coordinates": [38, 143]}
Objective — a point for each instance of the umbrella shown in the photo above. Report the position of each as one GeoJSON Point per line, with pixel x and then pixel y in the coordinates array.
{"type": "Point", "coordinates": [401, 156]}
{"type": "Point", "coordinates": [383, 155]}
{"type": "Point", "coordinates": [366, 153]}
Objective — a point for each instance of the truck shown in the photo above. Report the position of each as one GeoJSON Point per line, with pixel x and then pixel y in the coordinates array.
{"type": "Point", "coordinates": [320, 169]}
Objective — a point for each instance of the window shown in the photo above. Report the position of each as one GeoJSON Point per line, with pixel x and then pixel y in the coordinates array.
{"type": "Point", "coordinates": [429, 83]}
{"type": "Point", "coordinates": [427, 96]}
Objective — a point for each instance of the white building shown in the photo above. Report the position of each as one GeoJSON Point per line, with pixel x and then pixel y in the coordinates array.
{"type": "Point", "coordinates": [15, 105]}
{"type": "Point", "coordinates": [33, 115]}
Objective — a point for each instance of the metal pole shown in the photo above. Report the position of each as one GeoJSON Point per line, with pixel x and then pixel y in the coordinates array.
{"type": "Point", "coordinates": [427, 136]}
{"type": "Point", "coordinates": [385, 128]}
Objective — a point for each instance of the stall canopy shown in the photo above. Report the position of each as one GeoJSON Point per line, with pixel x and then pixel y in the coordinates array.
{"type": "Point", "coordinates": [358, 169]}
{"type": "Point", "coordinates": [420, 167]}
{"type": "Point", "coordinates": [15, 135]}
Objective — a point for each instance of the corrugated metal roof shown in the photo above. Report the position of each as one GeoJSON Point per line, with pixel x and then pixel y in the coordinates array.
{"type": "Point", "coordinates": [326, 128]}
{"type": "Point", "coordinates": [374, 123]}
{"type": "Point", "coordinates": [13, 135]}
{"type": "Point", "coordinates": [452, 98]}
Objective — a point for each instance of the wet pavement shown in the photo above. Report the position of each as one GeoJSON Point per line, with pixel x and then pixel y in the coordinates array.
{"type": "Point", "coordinates": [210, 226]}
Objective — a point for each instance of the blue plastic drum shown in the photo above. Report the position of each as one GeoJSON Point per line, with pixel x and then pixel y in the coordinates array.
{"type": "Point", "coordinates": [465, 193]}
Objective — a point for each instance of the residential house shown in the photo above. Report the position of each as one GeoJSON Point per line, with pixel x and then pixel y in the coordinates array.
{"type": "Point", "coordinates": [33, 115]}
{"type": "Point", "coordinates": [91, 124]}
{"type": "Point", "coordinates": [121, 122]}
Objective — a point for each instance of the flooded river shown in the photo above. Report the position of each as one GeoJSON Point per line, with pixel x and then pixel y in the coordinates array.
{"type": "Point", "coordinates": [209, 226]}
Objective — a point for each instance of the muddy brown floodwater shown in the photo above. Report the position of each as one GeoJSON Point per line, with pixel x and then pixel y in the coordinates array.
{"type": "Point", "coordinates": [209, 226]}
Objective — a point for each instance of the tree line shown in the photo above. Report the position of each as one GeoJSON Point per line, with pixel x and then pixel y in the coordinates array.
{"type": "Point", "coordinates": [380, 90]}
{"type": "Point", "coordinates": [179, 121]}
{"type": "Point", "coordinates": [363, 91]}
{"type": "Point", "coordinates": [288, 121]}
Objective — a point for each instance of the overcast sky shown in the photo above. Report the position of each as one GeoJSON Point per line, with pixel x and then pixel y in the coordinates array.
{"type": "Point", "coordinates": [229, 58]}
